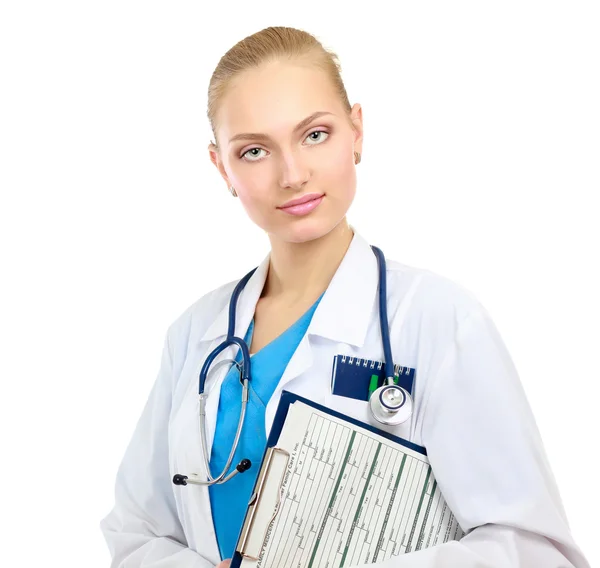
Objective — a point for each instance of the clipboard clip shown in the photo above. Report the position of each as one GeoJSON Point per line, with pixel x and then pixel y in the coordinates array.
{"type": "Point", "coordinates": [255, 501]}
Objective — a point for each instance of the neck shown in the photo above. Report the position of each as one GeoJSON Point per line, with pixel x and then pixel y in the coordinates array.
{"type": "Point", "coordinates": [299, 271]}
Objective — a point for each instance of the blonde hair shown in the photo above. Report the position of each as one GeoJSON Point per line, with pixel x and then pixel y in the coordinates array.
{"type": "Point", "coordinates": [270, 45]}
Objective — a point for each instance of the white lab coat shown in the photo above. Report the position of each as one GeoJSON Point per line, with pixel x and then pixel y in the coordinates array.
{"type": "Point", "coordinates": [470, 413]}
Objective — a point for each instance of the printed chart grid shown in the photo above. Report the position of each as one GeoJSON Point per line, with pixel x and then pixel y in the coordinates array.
{"type": "Point", "coordinates": [351, 497]}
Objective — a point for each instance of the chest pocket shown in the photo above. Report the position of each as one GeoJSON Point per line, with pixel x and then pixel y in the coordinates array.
{"type": "Point", "coordinates": [354, 379]}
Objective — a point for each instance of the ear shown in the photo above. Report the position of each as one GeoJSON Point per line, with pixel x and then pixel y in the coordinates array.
{"type": "Point", "coordinates": [215, 158]}
{"type": "Point", "coordinates": [357, 121]}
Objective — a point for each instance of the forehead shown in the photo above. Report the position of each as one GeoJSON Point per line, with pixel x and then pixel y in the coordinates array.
{"type": "Point", "coordinates": [274, 98]}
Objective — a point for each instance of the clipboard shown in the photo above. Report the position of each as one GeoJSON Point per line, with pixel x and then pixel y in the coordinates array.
{"type": "Point", "coordinates": [274, 466]}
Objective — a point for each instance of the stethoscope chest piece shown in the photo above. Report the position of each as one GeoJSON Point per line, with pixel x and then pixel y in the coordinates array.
{"type": "Point", "coordinates": [391, 405]}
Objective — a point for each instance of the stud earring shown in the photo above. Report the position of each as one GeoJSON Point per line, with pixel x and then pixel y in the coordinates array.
{"type": "Point", "coordinates": [357, 157]}
{"type": "Point", "coordinates": [232, 191]}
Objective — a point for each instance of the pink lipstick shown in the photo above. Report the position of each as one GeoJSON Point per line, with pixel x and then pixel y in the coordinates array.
{"type": "Point", "coordinates": [303, 205]}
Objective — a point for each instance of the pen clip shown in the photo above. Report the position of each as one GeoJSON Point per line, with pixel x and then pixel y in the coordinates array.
{"type": "Point", "coordinates": [255, 501]}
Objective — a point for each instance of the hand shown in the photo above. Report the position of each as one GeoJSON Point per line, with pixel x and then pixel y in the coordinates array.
{"type": "Point", "coordinates": [224, 564]}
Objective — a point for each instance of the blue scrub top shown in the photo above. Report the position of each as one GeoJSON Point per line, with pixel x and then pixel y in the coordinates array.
{"type": "Point", "coordinates": [229, 500]}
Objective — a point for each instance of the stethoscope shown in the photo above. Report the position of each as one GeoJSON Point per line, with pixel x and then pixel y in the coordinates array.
{"type": "Point", "coordinates": [390, 404]}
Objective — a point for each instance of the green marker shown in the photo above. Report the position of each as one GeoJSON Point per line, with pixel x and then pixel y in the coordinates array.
{"type": "Point", "coordinates": [374, 384]}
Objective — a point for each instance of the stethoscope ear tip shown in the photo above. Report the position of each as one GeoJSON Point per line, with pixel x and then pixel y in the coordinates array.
{"type": "Point", "coordinates": [179, 479]}
{"type": "Point", "coordinates": [244, 465]}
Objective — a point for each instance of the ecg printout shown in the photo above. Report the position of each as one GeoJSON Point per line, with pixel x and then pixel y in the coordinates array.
{"type": "Point", "coordinates": [349, 497]}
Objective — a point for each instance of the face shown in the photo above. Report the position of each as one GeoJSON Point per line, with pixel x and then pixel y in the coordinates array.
{"type": "Point", "coordinates": [288, 162]}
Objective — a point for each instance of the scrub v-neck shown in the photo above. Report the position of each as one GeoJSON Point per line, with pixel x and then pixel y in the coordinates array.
{"type": "Point", "coordinates": [229, 500]}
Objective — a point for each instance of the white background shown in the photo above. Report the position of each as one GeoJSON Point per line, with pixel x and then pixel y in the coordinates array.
{"type": "Point", "coordinates": [480, 162]}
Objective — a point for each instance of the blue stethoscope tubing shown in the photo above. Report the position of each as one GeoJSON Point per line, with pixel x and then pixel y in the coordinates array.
{"type": "Point", "coordinates": [390, 404]}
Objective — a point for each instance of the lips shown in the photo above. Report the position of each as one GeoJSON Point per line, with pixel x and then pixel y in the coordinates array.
{"type": "Point", "coordinates": [301, 200]}
{"type": "Point", "coordinates": [304, 208]}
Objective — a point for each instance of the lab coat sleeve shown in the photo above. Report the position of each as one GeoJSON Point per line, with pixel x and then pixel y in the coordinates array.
{"type": "Point", "coordinates": [143, 529]}
{"type": "Point", "coordinates": [486, 453]}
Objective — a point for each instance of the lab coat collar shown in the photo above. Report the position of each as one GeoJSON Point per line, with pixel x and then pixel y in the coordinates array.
{"type": "Point", "coordinates": [344, 313]}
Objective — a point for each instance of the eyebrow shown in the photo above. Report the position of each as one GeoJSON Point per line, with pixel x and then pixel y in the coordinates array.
{"type": "Point", "coordinates": [258, 136]}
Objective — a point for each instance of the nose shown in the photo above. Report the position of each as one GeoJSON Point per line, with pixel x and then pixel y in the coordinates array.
{"type": "Point", "coordinates": [294, 170]}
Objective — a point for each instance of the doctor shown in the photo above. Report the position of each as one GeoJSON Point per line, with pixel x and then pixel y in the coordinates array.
{"type": "Point", "coordinates": [287, 145]}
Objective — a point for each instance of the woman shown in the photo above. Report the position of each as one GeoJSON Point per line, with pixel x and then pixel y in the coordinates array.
{"type": "Point", "coordinates": [285, 132]}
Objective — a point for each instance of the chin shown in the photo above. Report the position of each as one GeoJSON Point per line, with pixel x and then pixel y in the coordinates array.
{"type": "Point", "coordinates": [306, 230]}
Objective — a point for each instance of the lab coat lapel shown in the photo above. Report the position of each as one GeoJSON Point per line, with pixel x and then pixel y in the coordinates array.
{"type": "Point", "coordinates": [342, 316]}
{"type": "Point", "coordinates": [212, 338]}
{"type": "Point", "coordinates": [217, 333]}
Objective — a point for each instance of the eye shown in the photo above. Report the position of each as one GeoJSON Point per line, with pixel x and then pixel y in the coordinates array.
{"type": "Point", "coordinates": [318, 132]}
{"type": "Point", "coordinates": [251, 150]}
{"type": "Point", "coordinates": [256, 157]}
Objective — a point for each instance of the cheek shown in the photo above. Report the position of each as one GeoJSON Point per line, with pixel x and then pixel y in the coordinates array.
{"type": "Point", "coordinates": [339, 179]}
{"type": "Point", "coordinates": [252, 187]}
{"type": "Point", "coordinates": [256, 202]}
{"type": "Point", "coordinates": [340, 162]}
